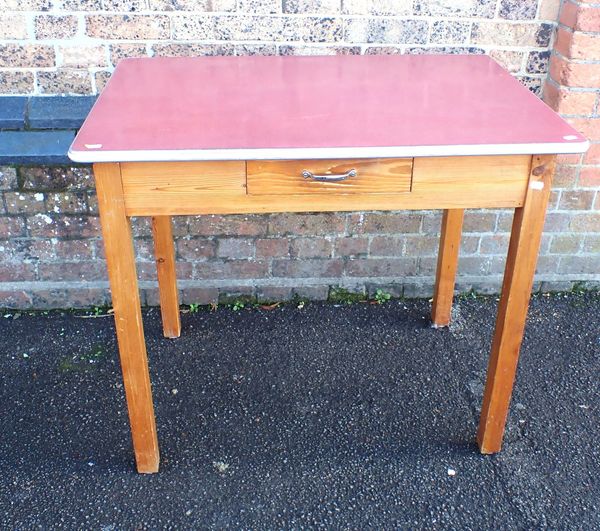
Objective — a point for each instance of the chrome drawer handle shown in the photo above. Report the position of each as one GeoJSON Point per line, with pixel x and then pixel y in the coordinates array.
{"type": "Point", "coordinates": [331, 178]}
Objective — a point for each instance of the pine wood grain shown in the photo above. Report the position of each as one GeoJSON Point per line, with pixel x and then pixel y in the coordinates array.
{"type": "Point", "coordinates": [501, 176]}
{"type": "Point", "coordinates": [438, 182]}
{"type": "Point", "coordinates": [446, 266]}
{"type": "Point", "coordinates": [523, 249]}
{"type": "Point", "coordinates": [373, 176]}
{"type": "Point", "coordinates": [164, 254]}
{"type": "Point", "coordinates": [120, 259]}
{"type": "Point", "coordinates": [180, 178]}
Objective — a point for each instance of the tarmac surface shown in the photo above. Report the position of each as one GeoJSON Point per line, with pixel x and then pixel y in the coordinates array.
{"type": "Point", "coordinates": [335, 417]}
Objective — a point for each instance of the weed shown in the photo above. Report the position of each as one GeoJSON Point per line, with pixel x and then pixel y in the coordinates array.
{"type": "Point", "coordinates": [467, 295]}
{"type": "Point", "coordinates": [83, 362]}
{"type": "Point", "coordinates": [339, 295]}
{"type": "Point", "coordinates": [578, 288]}
{"type": "Point", "coordinates": [194, 308]}
{"type": "Point", "coordinates": [238, 305]}
{"type": "Point", "coordinates": [382, 296]}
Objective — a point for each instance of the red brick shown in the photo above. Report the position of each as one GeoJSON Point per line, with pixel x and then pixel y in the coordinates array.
{"type": "Point", "coordinates": [227, 225]}
{"type": "Point", "coordinates": [311, 268]}
{"type": "Point", "coordinates": [496, 244]}
{"type": "Point", "coordinates": [11, 272]}
{"type": "Point", "coordinates": [387, 246]}
{"type": "Point", "coordinates": [272, 247]}
{"type": "Point", "coordinates": [556, 222]}
{"type": "Point", "coordinates": [382, 267]}
{"type": "Point", "coordinates": [479, 221]}
{"type": "Point", "coordinates": [588, 19]}
{"type": "Point", "coordinates": [17, 250]}
{"type": "Point", "coordinates": [422, 245]}
{"type": "Point", "coordinates": [42, 249]}
{"type": "Point", "coordinates": [589, 177]}
{"type": "Point", "coordinates": [568, 158]}
{"type": "Point", "coordinates": [11, 227]}
{"type": "Point", "coordinates": [469, 244]}
{"type": "Point", "coordinates": [195, 248]}
{"type": "Point", "coordinates": [67, 202]}
{"type": "Point", "coordinates": [576, 45]}
{"type": "Point", "coordinates": [581, 18]}
{"type": "Point", "coordinates": [379, 223]}
{"type": "Point", "coordinates": [565, 176]}
{"type": "Point", "coordinates": [73, 249]}
{"type": "Point", "coordinates": [144, 250]}
{"type": "Point", "coordinates": [18, 202]}
{"type": "Point", "coordinates": [311, 248]}
{"type": "Point", "coordinates": [75, 271]}
{"type": "Point", "coordinates": [235, 248]}
{"type": "Point", "coordinates": [546, 264]}
{"type": "Point", "coordinates": [566, 101]}
{"type": "Point", "coordinates": [591, 244]}
{"type": "Point", "coordinates": [306, 224]}
{"type": "Point", "coordinates": [564, 38]}
{"type": "Point", "coordinates": [579, 265]}
{"type": "Point", "coordinates": [15, 299]}
{"type": "Point", "coordinates": [351, 246]}
{"type": "Point", "coordinates": [220, 269]}
{"type": "Point", "coordinates": [569, 14]}
{"type": "Point", "coordinates": [565, 243]}
{"type": "Point", "coordinates": [565, 72]}
{"type": "Point", "coordinates": [588, 127]}
{"type": "Point", "coordinates": [471, 265]}
{"type": "Point", "coordinates": [42, 225]}
{"type": "Point", "coordinates": [147, 270]}
{"type": "Point", "coordinates": [432, 222]}
{"type": "Point", "coordinates": [593, 155]}
{"type": "Point", "coordinates": [589, 222]}
{"type": "Point", "coordinates": [577, 199]}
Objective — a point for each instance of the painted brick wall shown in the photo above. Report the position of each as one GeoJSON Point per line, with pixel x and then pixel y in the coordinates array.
{"type": "Point", "coordinates": [50, 249]}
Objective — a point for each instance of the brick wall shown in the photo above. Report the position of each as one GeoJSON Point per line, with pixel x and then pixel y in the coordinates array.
{"type": "Point", "coordinates": [50, 248]}
{"type": "Point", "coordinates": [71, 46]}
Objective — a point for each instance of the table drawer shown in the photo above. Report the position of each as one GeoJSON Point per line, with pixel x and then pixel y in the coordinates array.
{"type": "Point", "coordinates": [332, 176]}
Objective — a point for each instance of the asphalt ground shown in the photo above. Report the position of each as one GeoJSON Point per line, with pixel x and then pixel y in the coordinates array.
{"type": "Point", "coordinates": [352, 417]}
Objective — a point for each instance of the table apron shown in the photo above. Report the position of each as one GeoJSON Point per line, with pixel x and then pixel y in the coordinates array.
{"type": "Point", "coordinates": [220, 187]}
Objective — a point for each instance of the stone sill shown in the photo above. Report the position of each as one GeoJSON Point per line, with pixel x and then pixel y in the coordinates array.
{"type": "Point", "coordinates": [39, 130]}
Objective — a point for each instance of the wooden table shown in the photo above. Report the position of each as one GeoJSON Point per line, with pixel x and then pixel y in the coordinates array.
{"type": "Point", "coordinates": [219, 135]}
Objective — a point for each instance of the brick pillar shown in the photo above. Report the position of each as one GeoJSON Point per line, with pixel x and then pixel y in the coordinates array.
{"type": "Point", "coordinates": [573, 89]}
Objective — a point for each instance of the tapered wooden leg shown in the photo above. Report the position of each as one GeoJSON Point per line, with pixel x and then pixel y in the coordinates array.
{"type": "Point", "coordinates": [446, 266]}
{"type": "Point", "coordinates": [523, 249]}
{"type": "Point", "coordinates": [122, 274]}
{"type": "Point", "coordinates": [164, 252]}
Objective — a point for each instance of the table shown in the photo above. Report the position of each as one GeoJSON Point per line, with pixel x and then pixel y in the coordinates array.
{"type": "Point", "coordinates": [219, 135]}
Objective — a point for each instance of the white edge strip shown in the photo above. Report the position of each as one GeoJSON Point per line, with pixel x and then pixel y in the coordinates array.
{"type": "Point", "coordinates": [327, 153]}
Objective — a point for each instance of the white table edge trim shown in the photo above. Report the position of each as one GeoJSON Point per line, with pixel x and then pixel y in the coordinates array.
{"type": "Point", "coordinates": [327, 153]}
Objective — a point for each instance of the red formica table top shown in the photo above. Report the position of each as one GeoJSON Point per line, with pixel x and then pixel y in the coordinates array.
{"type": "Point", "coordinates": [226, 108]}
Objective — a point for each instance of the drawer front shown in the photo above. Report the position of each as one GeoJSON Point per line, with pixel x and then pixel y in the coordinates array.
{"type": "Point", "coordinates": [332, 176]}
{"type": "Point", "coordinates": [502, 178]}
{"type": "Point", "coordinates": [171, 183]}
{"type": "Point", "coordinates": [220, 177]}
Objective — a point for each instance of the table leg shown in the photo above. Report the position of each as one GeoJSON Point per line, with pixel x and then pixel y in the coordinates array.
{"type": "Point", "coordinates": [122, 274]}
{"type": "Point", "coordinates": [526, 234]}
{"type": "Point", "coordinates": [446, 266]}
{"type": "Point", "coordinates": [164, 252]}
